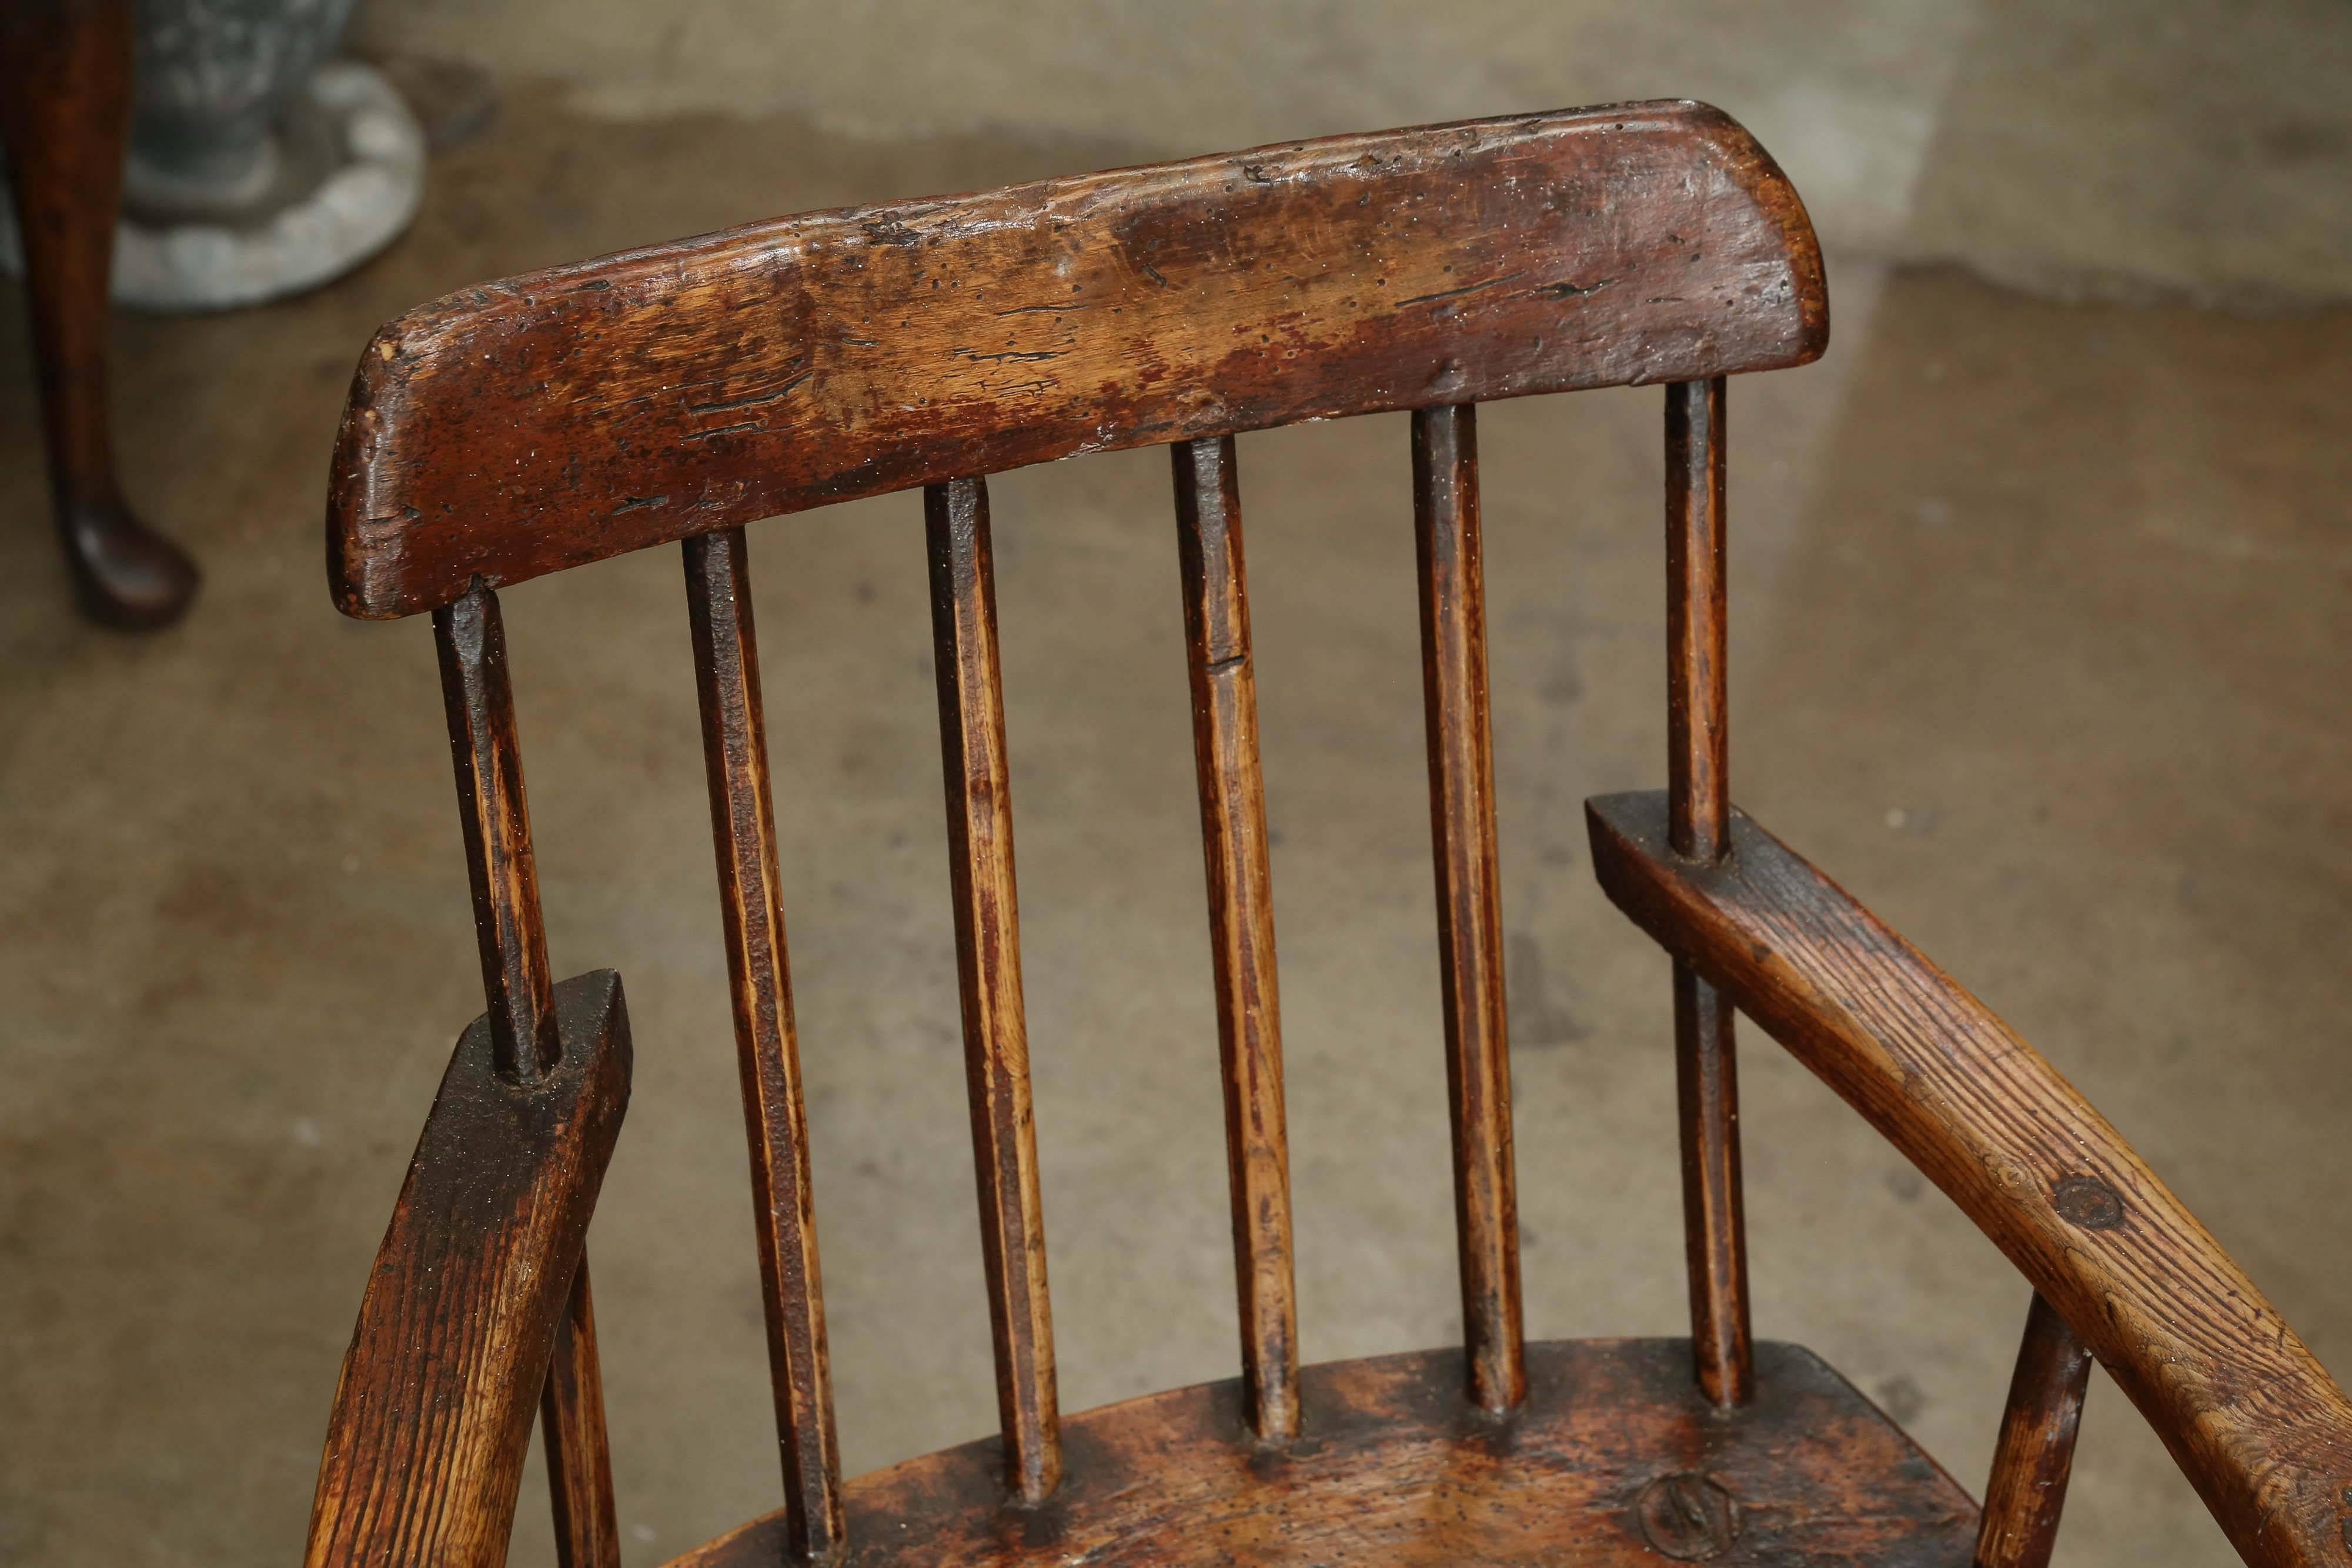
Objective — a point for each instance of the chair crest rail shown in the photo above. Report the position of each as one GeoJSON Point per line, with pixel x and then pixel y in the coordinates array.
{"type": "Point", "coordinates": [2251, 1416]}
{"type": "Point", "coordinates": [586, 411]}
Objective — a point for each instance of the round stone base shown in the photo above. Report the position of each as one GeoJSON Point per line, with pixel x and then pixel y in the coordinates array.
{"type": "Point", "coordinates": [347, 171]}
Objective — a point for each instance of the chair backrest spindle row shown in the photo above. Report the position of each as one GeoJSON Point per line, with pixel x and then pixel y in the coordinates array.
{"type": "Point", "coordinates": [1241, 924]}
{"type": "Point", "coordinates": [988, 967]}
{"type": "Point", "coordinates": [1469, 897]}
{"type": "Point", "coordinates": [1235, 853]}
{"type": "Point", "coordinates": [743, 832]}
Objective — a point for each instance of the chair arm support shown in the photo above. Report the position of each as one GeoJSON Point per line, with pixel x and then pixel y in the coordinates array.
{"type": "Point", "coordinates": [432, 1416]}
{"type": "Point", "coordinates": [2251, 1416]}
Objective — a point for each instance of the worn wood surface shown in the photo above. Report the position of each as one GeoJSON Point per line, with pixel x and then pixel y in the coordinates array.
{"type": "Point", "coordinates": [988, 970]}
{"type": "Point", "coordinates": [1715, 1217]}
{"type": "Point", "coordinates": [1614, 1459]}
{"type": "Point", "coordinates": [1699, 718]}
{"type": "Point", "coordinates": [1241, 924]}
{"type": "Point", "coordinates": [566, 415]}
{"type": "Point", "coordinates": [572, 1432]}
{"type": "Point", "coordinates": [478, 697]}
{"type": "Point", "coordinates": [432, 1416]}
{"type": "Point", "coordinates": [2253, 1420]}
{"type": "Point", "coordinates": [678, 394]}
{"type": "Point", "coordinates": [1469, 896]}
{"type": "Point", "coordinates": [65, 119]}
{"type": "Point", "coordinates": [1698, 767]}
{"type": "Point", "coordinates": [744, 830]}
{"type": "Point", "coordinates": [2036, 1454]}
{"type": "Point", "coordinates": [526, 1039]}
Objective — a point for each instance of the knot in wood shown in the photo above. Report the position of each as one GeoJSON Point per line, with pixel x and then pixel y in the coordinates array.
{"type": "Point", "coordinates": [2087, 1202]}
{"type": "Point", "coordinates": [1686, 1515]}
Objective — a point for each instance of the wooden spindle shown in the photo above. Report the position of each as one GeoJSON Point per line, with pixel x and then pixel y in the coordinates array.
{"type": "Point", "coordinates": [571, 1429]}
{"type": "Point", "coordinates": [1469, 897]}
{"type": "Point", "coordinates": [1241, 925]}
{"type": "Point", "coordinates": [744, 830]}
{"type": "Point", "coordinates": [1698, 733]}
{"type": "Point", "coordinates": [988, 967]}
{"type": "Point", "coordinates": [1714, 1228]}
{"type": "Point", "coordinates": [469, 636]}
{"type": "Point", "coordinates": [2036, 1454]}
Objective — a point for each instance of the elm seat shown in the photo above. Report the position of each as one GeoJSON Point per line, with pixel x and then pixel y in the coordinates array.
{"type": "Point", "coordinates": [1615, 1458]}
{"type": "Point", "coordinates": [678, 395]}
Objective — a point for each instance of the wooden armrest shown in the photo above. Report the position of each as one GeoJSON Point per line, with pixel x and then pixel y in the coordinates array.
{"type": "Point", "coordinates": [433, 1414]}
{"type": "Point", "coordinates": [2251, 1419]}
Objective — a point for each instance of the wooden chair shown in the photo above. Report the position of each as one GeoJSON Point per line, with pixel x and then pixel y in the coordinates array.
{"type": "Point", "coordinates": [678, 393]}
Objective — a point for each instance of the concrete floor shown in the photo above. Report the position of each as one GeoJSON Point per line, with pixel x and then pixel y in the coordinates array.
{"type": "Point", "coordinates": [2037, 648]}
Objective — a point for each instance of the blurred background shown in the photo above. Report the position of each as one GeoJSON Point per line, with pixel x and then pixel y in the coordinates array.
{"type": "Point", "coordinates": [2040, 647]}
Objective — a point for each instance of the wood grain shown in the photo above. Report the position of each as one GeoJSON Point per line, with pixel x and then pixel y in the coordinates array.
{"type": "Point", "coordinates": [526, 1041]}
{"type": "Point", "coordinates": [1714, 1208]}
{"type": "Point", "coordinates": [1241, 924]}
{"type": "Point", "coordinates": [988, 969]}
{"type": "Point", "coordinates": [743, 830]}
{"type": "Point", "coordinates": [2036, 1454]}
{"type": "Point", "coordinates": [65, 118]}
{"type": "Point", "coordinates": [572, 1430]}
{"type": "Point", "coordinates": [1699, 725]}
{"type": "Point", "coordinates": [1698, 767]}
{"type": "Point", "coordinates": [2251, 1419]}
{"type": "Point", "coordinates": [1469, 897]}
{"type": "Point", "coordinates": [478, 698]}
{"type": "Point", "coordinates": [1613, 1460]}
{"type": "Point", "coordinates": [432, 1416]}
{"type": "Point", "coordinates": [562, 416]}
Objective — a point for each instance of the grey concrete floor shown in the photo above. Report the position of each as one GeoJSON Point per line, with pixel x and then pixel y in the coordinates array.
{"type": "Point", "coordinates": [2039, 648]}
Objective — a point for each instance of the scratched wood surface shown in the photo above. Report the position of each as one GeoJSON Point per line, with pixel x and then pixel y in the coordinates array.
{"type": "Point", "coordinates": [571, 1429]}
{"type": "Point", "coordinates": [2251, 1416]}
{"type": "Point", "coordinates": [1469, 881]}
{"type": "Point", "coordinates": [2034, 1456]}
{"type": "Point", "coordinates": [432, 1416]}
{"type": "Point", "coordinates": [1234, 846]}
{"type": "Point", "coordinates": [566, 415]}
{"type": "Point", "coordinates": [775, 1110]}
{"type": "Point", "coordinates": [1699, 769]}
{"type": "Point", "coordinates": [1613, 1459]}
{"type": "Point", "coordinates": [494, 816]}
{"type": "Point", "coordinates": [979, 790]}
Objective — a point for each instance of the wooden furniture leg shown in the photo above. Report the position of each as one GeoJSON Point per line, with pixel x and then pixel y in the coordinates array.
{"type": "Point", "coordinates": [65, 113]}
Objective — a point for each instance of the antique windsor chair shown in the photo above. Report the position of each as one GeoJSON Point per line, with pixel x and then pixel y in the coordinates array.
{"type": "Point", "coordinates": [678, 393]}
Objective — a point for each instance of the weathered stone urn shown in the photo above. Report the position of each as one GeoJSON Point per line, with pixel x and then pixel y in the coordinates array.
{"type": "Point", "coordinates": [260, 165]}
{"type": "Point", "coordinates": [215, 81]}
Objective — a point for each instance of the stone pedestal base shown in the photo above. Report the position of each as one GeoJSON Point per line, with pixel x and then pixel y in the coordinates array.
{"type": "Point", "coordinates": [343, 175]}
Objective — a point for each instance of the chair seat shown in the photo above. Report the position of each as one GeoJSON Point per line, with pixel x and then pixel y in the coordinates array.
{"type": "Point", "coordinates": [1614, 1459]}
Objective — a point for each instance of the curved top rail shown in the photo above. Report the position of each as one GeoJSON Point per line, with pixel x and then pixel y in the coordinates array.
{"type": "Point", "coordinates": [566, 415]}
{"type": "Point", "coordinates": [2251, 1416]}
